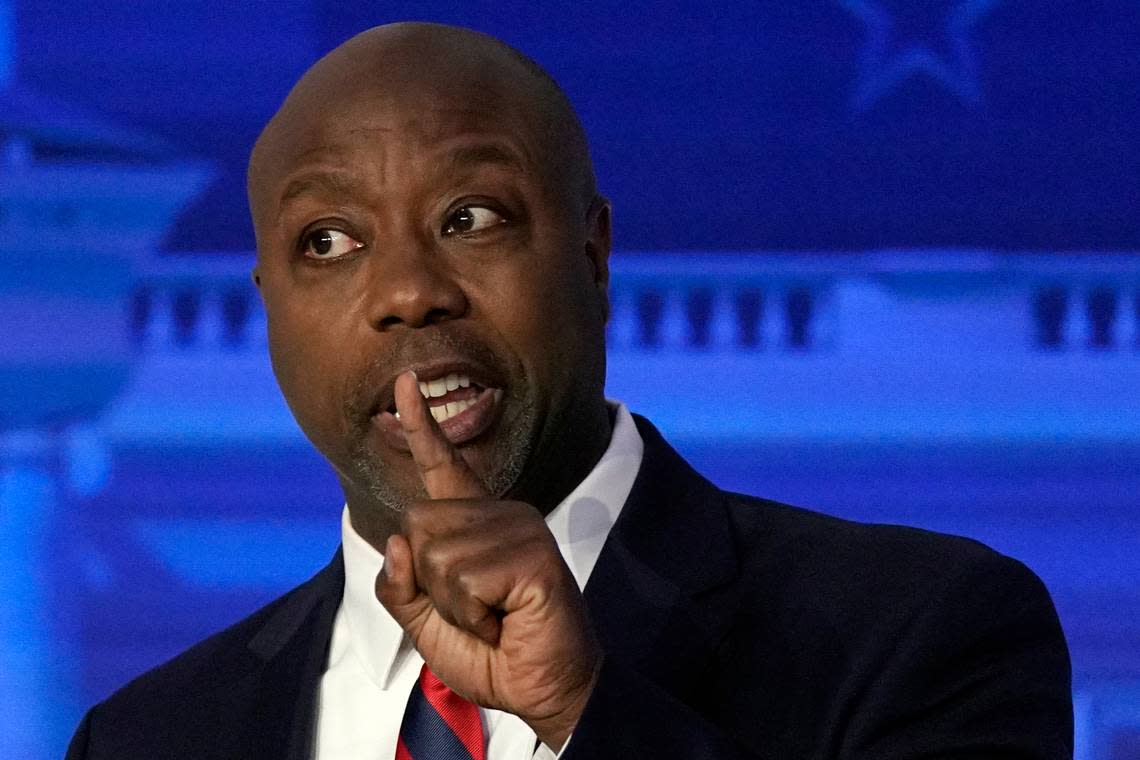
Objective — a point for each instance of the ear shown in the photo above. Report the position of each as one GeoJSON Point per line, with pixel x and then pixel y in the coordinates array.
{"type": "Point", "coordinates": [598, 239]}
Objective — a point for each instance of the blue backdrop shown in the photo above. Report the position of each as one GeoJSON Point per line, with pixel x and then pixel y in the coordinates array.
{"type": "Point", "coordinates": [876, 257]}
{"type": "Point", "coordinates": [840, 124]}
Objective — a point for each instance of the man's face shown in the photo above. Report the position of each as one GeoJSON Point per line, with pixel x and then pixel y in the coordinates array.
{"type": "Point", "coordinates": [428, 232]}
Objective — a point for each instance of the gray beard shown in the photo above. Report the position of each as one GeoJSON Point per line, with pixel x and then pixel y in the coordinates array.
{"type": "Point", "coordinates": [513, 452]}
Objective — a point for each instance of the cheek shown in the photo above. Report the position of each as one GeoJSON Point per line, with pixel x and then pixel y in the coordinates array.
{"type": "Point", "coordinates": [308, 371]}
{"type": "Point", "coordinates": [558, 323]}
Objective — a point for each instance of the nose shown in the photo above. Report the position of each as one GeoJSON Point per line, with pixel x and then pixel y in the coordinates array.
{"type": "Point", "coordinates": [413, 287]}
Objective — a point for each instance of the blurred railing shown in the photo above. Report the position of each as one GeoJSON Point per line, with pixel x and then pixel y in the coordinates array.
{"type": "Point", "coordinates": [739, 302]}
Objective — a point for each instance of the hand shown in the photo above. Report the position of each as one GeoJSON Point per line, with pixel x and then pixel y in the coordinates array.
{"type": "Point", "coordinates": [480, 587]}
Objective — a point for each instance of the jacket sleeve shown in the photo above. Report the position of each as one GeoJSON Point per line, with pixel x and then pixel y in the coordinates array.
{"type": "Point", "coordinates": [980, 670]}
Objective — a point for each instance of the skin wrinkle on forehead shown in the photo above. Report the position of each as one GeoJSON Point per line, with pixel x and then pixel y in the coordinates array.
{"type": "Point", "coordinates": [369, 130]}
{"type": "Point", "coordinates": [464, 157]}
{"type": "Point", "coordinates": [335, 181]}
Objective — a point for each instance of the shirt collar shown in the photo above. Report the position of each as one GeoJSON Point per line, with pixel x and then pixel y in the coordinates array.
{"type": "Point", "coordinates": [582, 521]}
{"type": "Point", "coordinates": [580, 524]}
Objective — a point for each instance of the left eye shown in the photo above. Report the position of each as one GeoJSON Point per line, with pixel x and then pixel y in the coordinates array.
{"type": "Point", "coordinates": [328, 244]}
{"type": "Point", "coordinates": [468, 219]}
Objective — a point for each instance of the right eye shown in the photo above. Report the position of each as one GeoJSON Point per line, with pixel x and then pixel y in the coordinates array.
{"type": "Point", "coordinates": [326, 243]}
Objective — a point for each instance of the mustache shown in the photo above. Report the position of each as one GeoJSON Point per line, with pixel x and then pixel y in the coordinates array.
{"type": "Point", "coordinates": [412, 348]}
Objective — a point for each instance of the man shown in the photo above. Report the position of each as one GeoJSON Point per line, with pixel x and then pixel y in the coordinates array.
{"type": "Point", "coordinates": [432, 255]}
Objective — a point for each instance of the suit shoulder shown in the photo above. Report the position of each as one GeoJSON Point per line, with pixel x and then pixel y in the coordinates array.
{"type": "Point", "coordinates": [219, 659]}
{"type": "Point", "coordinates": [903, 626]}
{"type": "Point", "coordinates": [869, 592]}
{"type": "Point", "coordinates": [844, 560]}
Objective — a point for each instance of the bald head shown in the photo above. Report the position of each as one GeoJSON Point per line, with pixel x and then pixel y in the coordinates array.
{"type": "Point", "coordinates": [397, 76]}
{"type": "Point", "coordinates": [424, 200]}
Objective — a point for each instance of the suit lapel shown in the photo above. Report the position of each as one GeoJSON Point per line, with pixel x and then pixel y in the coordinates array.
{"type": "Point", "coordinates": [660, 595]}
{"type": "Point", "coordinates": [278, 701]}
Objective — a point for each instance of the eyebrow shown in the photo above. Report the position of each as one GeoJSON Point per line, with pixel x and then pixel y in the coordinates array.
{"type": "Point", "coordinates": [335, 182]}
{"type": "Point", "coordinates": [467, 156]}
{"type": "Point", "coordinates": [464, 157]}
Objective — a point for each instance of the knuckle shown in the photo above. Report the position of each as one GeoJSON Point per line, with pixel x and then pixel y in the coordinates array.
{"type": "Point", "coordinates": [520, 508]}
{"type": "Point", "coordinates": [448, 615]}
{"type": "Point", "coordinates": [459, 582]}
{"type": "Point", "coordinates": [542, 550]}
{"type": "Point", "coordinates": [416, 515]}
{"type": "Point", "coordinates": [441, 462]}
{"type": "Point", "coordinates": [432, 465]}
{"type": "Point", "coordinates": [473, 615]}
{"type": "Point", "coordinates": [432, 561]}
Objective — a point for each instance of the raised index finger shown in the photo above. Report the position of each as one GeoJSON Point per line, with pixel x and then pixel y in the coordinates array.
{"type": "Point", "coordinates": [442, 468]}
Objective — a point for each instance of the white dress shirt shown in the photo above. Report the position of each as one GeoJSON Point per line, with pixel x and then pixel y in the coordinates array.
{"type": "Point", "coordinates": [372, 665]}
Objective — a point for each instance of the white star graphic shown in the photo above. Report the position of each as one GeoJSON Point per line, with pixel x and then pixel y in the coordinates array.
{"type": "Point", "coordinates": [880, 69]}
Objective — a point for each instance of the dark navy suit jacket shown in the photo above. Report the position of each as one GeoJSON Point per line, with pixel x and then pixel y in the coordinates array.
{"type": "Point", "coordinates": [733, 628]}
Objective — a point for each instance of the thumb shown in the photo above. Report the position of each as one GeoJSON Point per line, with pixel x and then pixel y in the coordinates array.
{"type": "Point", "coordinates": [396, 586]}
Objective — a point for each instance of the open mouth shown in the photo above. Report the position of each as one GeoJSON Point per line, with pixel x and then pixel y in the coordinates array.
{"type": "Point", "coordinates": [462, 406]}
{"type": "Point", "coordinates": [447, 397]}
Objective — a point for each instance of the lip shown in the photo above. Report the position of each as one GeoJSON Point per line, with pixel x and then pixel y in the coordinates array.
{"type": "Point", "coordinates": [386, 396]}
{"type": "Point", "coordinates": [464, 427]}
{"type": "Point", "coordinates": [460, 429]}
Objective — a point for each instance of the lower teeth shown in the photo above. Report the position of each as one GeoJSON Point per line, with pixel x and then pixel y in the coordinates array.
{"type": "Point", "coordinates": [450, 409]}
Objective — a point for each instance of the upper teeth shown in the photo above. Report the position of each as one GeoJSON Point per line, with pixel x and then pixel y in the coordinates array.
{"type": "Point", "coordinates": [440, 386]}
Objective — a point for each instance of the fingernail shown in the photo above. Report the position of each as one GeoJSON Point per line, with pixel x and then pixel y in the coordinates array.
{"type": "Point", "coordinates": [414, 375]}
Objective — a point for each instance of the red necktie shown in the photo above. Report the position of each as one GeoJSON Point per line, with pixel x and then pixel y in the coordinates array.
{"type": "Point", "coordinates": [439, 724]}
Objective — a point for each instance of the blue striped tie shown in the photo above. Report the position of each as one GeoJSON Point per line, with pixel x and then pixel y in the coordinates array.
{"type": "Point", "coordinates": [439, 724]}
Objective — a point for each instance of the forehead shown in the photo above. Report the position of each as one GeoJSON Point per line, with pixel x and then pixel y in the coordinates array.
{"type": "Point", "coordinates": [374, 122]}
{"type": "Point", "coordinates": [423, 108]}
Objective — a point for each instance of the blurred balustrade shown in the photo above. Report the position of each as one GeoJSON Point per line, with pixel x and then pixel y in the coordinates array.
{"type": "Point", "coordinates": [696, 302]}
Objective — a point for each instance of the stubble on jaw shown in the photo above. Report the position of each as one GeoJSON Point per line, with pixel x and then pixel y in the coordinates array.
{"type": "Point", "coordinates": [369, 476]}
{"type": "Point", "coordinates": [512, 451]}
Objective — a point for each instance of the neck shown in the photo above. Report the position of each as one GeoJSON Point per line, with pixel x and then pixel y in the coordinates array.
{"type": "Point", "coordinates": [570, 454]}
{"type": "Point", "coordinates": [553, 472]}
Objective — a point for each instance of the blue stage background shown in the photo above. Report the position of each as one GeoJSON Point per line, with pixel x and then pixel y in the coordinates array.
{"type": "Point", "coordinates": [876, 257]}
